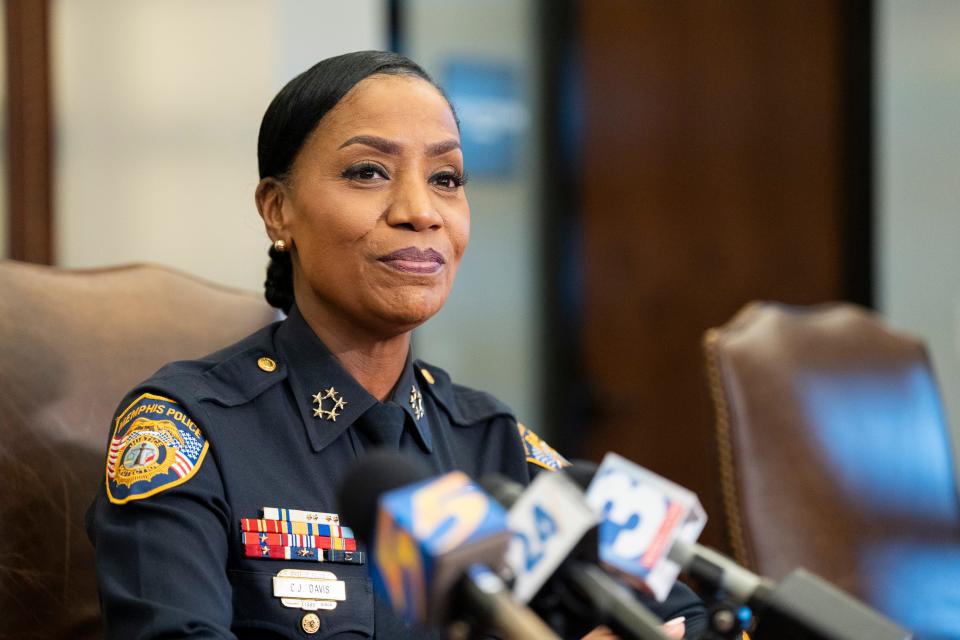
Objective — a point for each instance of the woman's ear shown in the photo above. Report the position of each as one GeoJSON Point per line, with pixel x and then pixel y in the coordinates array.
{"type": "Point", "coordinates": [270, 196]}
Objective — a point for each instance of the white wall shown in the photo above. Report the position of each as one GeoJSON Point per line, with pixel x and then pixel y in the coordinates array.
{"type": "Point", "coordinates": [918, 177]}
{"type": "Point", "coordinates": [157, 108]}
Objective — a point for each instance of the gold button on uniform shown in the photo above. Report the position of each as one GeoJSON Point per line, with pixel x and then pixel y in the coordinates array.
{"type": "Point", "coordinates": [267, 364]}
{"type": "Point", "coordinates": [310, 623]}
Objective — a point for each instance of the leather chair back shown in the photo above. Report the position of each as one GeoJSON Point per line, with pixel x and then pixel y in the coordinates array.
{"type": "Point", "coordinates": [835, 455]}
{"type": "Point", "coordinates": [71, 344]}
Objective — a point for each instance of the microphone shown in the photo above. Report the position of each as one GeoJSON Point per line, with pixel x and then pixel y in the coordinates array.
{"type": "Point", "coordinates": [646, 534]}
{"type": "Point", "coordinates": [553, 546]}
{"type": "Point", "coordinates": [643, 515]}
{"type": "Point", "coordinates": [803, 606]}
{"type": "Point", "coordinates": [431, 540]}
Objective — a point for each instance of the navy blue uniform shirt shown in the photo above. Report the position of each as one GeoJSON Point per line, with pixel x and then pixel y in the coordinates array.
{"type": "Point", "coordinates": [273, 420]}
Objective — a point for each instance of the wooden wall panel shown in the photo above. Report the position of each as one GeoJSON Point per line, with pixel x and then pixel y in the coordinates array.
{"type": "Point", "coordinates": [28, 150]}
{"type": "Point", "coordinates": [712, 175]}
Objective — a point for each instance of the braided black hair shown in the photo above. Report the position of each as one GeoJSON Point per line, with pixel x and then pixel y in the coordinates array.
{"type": "Point", "coordinates": [278, 287]}
{"type": "Point", "coordinates": [293, 115]}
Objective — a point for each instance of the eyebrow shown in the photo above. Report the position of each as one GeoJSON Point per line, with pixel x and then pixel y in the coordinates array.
{"type": "Point", "coordinates": [441, 148]}
{"type": "Point", "coordinates": [393, 149]}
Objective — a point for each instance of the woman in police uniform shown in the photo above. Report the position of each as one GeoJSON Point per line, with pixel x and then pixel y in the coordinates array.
{"type": "Point", "coordinates": [362, 197]}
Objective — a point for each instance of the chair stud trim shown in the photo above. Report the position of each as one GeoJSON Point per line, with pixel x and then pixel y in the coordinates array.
{"type": "Point", "coordinates": [724, 442]}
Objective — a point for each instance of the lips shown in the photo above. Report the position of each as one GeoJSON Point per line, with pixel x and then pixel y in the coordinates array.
{"type": "Point", "coordinates": [414, 260]}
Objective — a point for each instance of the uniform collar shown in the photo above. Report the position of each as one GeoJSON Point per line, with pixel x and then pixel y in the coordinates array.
{"type": "Point", "coordinates": [316, 374]}
{"type": "Point", "coordinates": [409, 395]}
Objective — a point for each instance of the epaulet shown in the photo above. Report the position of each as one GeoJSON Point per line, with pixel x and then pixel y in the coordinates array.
{"type": "Point", "coordinates": [538, 452]}
{"type": "Point", "coordinates": [155, 446]}
{"type": "Point", "coordinates": [233, 376]}
{"type": "Point", "coordinates": [464, 405]}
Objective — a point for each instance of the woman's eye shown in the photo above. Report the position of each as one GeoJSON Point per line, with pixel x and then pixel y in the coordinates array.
{"type": "Point", "coordinates": [450, 180]}
{"type": "Point", "coordinates": [365, 173]}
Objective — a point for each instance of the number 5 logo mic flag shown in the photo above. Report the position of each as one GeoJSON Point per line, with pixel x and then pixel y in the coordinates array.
{"type": "Point", "coordinates": [427, 534]}
{"type": "Point", "coordinates": [642, 515]}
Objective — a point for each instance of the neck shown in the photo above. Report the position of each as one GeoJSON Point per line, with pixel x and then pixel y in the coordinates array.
{"type": "Point", "coordinates": [374, 361]}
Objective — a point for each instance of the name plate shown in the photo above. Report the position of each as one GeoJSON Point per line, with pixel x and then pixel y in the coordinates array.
{"type": "Point", "coordinates": [309, 590]}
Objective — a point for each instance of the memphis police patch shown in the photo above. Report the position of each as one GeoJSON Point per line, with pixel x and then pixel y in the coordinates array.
{"type": "Point", "coordinates": [155, 446]}
{"type": "Point", "coordinates": [539, 452]}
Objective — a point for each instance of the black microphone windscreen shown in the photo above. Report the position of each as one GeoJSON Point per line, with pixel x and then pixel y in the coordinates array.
{"type": "Point", "coordinates": [501, 488]}
{"type": "Point", "coordinates": [582, 472]}
{"type": "Point", "coordinates": [373, 475]}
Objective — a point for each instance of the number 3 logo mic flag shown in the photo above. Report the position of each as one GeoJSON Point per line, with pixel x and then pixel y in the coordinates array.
{"type": "Point", "coordinates": [642, 515]}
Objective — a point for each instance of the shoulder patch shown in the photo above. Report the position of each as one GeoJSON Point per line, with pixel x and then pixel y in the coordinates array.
{"type": "Point", "coordinates": [155, 446]}
{"type": "Point", "coordinates": [539, 452]}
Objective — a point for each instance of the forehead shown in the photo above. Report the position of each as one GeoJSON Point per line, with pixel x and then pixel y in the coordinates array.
{"type": "Point", "coordinates": [395, 106]}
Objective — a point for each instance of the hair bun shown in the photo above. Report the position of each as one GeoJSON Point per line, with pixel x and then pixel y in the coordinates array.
{"type": "Point", "coordinates": [278, 287]}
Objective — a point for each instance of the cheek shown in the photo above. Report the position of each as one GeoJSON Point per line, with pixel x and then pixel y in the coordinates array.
{"type": "Point", "coordinates": [337, 222]}
{"type": "Point", "coordinates": [459, 231]}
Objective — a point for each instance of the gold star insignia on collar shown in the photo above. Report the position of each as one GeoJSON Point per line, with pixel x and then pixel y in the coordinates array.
{"type": "Point", "coordinates": [416, 402]}
{"type": "Point", "coordinates": [328, 414]}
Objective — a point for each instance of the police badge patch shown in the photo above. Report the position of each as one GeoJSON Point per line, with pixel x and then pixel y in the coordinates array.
{"type": "Point", "coordinates": [155, 446]}
{"type": "Point", "coordinates": [539, 452]}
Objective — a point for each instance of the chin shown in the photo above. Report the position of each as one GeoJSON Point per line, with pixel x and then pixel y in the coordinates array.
{"type": "Point", "coordinates": [408, 314]}
{"type": "Point", "coordinates": [409, 319]}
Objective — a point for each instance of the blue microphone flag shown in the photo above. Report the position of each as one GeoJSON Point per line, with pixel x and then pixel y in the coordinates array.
{"type": "Point", "coordinates": [420, 529]}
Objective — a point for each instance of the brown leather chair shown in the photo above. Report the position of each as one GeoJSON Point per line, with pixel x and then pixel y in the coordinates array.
{"type": "Point", "coordinates": [71, 344]}
{"type": "Point", "coordinates": [835, 456]}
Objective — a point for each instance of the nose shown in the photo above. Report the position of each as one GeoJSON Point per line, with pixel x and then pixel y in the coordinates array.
{"type": "Point", "coordinates": [412, 206]}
